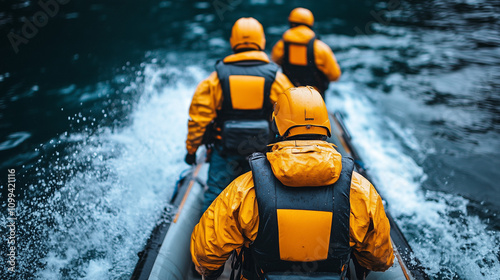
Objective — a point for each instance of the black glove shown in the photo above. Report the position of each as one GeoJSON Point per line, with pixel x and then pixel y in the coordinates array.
{"type": "Point", "coordinates": [213, 275]}
{"type": "Point", "coordinates": [361, 272]}
{"type": "Point", "coordinates": [190, 158]}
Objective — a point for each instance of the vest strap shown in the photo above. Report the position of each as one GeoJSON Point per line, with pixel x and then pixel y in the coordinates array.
{"type": "Point", "coordinates": [304, 75]}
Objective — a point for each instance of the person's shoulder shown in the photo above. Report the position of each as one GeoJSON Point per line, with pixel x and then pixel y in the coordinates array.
{"type": "Point", "coordinates": [211, 80]}
{"type": "Point", "coordinates": [360, 184]}
{"type": "Point", "coordinates": [208, 86]}
{"type": "Point", "coordinates": [321, 46]}
{"type": "Point", "coordinates": [279, 43]}
{"type": "Point", "coordinates": [280, 76]}
{"type": "Point", "coordinates": [212, 76]}
{"type": "Point", "coordinates": [363, 189]}
{"type": "Point", "coordinates": [282, 82]}
{"type": "Point", "coordinates": [244, 182]}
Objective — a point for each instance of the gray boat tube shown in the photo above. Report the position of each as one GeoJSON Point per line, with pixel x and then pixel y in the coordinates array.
{"type": "Point", "coordinates": [171, 263]}
{"type": "Point", "coordinates": [166, 254]}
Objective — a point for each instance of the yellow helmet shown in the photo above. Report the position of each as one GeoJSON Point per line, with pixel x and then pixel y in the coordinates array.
{"type": "Point", "coordinates": [301, 16]}
{"type": "Point", "coordinates": [301, 110]}
{"type": "Point", "coordinates": [247, 33]}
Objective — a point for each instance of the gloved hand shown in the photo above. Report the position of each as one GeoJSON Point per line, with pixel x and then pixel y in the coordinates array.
{"type": "Point", "coordinates": [190, 158]}
{"type": "Point", "coordinates": [361, 272]}
{"type": "Point", "coordinates": [213, 275]}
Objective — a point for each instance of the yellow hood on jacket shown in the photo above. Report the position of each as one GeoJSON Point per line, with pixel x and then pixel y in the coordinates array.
{"type": "Point", "coordinates": [300, 34]}
{"type": "Point", "coordinates": [300, 163]}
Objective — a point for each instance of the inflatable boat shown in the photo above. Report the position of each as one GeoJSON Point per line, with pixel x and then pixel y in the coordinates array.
{"type": "Point", "coordinates": [167, 256]}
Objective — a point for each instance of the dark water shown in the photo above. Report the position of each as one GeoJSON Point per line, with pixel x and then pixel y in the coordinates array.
{"type": "Point", "coordinates": [93, 110]}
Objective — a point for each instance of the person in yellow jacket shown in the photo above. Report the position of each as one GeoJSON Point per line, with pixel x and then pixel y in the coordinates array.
{"type": "Point", "coordinates": [304, 58]}
{"type": "Point", "coordinates": [302, 209]}
{"type": "Point", "coordinates": [231, 109]}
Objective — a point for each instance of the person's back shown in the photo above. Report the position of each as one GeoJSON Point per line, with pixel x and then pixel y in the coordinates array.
{"type": "Point", "coordinates": [230, 109]}
{"type": "Point", "coordinates": [302, 210]}
{"type": "Point", "coordinates": [305, 59]}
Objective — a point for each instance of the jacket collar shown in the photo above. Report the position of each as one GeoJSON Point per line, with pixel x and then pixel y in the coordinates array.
{"type": "Point", "coordinates": [249, 55]}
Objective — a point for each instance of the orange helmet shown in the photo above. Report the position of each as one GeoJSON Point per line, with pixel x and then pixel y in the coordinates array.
{"type": "Point", "coordinates": [301, 110]}
{"type": "Point", "coordinates": [301, 16]}
{"type": "Point", "coordinates": [247, 33]}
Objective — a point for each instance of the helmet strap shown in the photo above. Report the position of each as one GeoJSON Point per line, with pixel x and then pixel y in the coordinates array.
{"type": "Point", "coordinates": [243, 50]}
{"type": "Point", "coordinates": [235, 50]}
{"type": "Point", "coordinates": [274, 130]}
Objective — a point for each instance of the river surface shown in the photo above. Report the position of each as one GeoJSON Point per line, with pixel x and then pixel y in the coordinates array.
{"type": "Point", "coordinates": [94, 98]}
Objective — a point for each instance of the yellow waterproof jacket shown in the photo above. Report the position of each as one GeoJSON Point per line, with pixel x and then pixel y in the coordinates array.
{"type": "Point", "coordinates": [207, 99]}
{"type": "Point", "coordinates": [232, 221]}
{"type": "Point", "coordinates": [323, 55]}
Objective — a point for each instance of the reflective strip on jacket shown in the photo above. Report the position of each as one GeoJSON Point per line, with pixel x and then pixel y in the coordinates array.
{"type": "Point", "coordinates": [324, 57]}
{"type": "Point", "coordinates": [208, 97]}
{"type": "Point", "coordinates": [232, 221]}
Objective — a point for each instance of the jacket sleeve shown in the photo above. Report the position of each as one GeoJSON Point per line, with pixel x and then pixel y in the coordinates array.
{"type": "Point", "coordinates": [206, 101]}
{"type": "Point", "coordinates": [369, 226]}
{"type": "Point", "coordinates": [326, 61]}
{"type": "Point", "coordinates": [278, 53]}
{"type": "Point", "coordinates": [281, 83]}
{"type": "Point", "coordinates": [230, 222]}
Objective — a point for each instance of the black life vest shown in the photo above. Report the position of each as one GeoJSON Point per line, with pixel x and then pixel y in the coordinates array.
{"type": "Point", "coordinates": [245, 81]}
{"type": "Point", "coordinates": [243, 120]}
{"type": "Point", "coordinates": [307, 207]}
{"type": "Point", "coordinates": [300, 71]}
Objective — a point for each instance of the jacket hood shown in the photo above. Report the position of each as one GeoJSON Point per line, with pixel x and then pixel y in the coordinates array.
{"type": "Point", "coordinates": [299, 34]}
{"type": "Point", "coordinates": [249, 55]}
{"type": "Point", "coordinates": [301, 163]}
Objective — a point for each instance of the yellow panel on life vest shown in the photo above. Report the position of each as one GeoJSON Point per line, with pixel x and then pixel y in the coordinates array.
{"type": "Point", "coordinates": [304, 235]}
{"type": "Point", "coordinates": [247, 92]}
{"type": "Point", "coordinates": [297, 54]}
